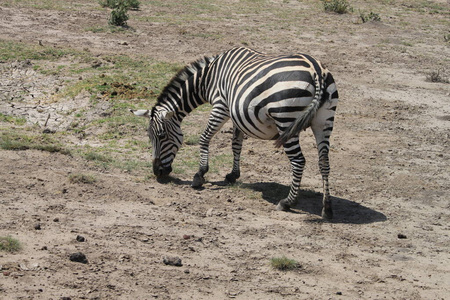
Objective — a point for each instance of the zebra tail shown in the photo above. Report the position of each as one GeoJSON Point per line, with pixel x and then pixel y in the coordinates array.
{"type": "Point", "coordinates": [301, 123]}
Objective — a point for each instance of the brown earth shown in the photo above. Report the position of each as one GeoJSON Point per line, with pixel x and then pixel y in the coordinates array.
{"type": "Point", "coordinates": [390, 167]}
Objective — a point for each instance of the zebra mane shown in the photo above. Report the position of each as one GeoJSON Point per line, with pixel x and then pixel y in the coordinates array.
{"type": "Point", "coordinates": [178, 80]}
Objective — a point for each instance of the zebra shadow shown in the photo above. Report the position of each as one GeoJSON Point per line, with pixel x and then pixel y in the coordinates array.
{"type": "Point", "coordinates": [345, 211]}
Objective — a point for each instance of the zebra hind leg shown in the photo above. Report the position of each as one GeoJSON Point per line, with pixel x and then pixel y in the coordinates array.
{"type": "Point", "coordinates": [322, 126]}
{"type": "Point", "coordinates": [295, 155]}
{"type": "Point", "coordinates": [238, 137]}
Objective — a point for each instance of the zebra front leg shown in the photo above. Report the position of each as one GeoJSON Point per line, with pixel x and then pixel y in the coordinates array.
{"type": "Point", "coordinates": [217, 118]}
{"type": "Point", "coordinates": [199, 178]}
{"type": "Point", "coordinates": [295, 155]}
{"type": "Point", "coordinates": [236, 145]}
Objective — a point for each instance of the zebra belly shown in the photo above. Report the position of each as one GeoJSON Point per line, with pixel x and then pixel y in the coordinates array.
{"type": "Point", "coordinates": [267, 130]}
{"type": "Point", "coordinates": [262, 121]}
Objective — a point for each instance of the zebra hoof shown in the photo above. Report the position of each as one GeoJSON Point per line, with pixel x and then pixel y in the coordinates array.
{"type": "Point", "coordinates": [231, 178]}
{"type": "Point", "coordinates": [327, 212]}
{"type": "Point", "coordinates": [198, 181]}
{"type": "Point", "coordinates": [283, 206]}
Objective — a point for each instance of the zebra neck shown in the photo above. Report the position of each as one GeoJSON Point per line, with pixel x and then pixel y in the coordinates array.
{"type": "Point", "coordinates": [189, 98]}
{"type": "Point", "coordinates": [185, 92]}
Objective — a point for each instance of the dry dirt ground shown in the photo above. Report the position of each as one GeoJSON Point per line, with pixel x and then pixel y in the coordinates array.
{"type": "Point", "coordinates": [390, 166]}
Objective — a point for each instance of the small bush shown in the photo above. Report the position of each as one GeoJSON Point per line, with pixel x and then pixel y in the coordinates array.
{"type": "Point", "coordinates": [119, 17]}
{"type": "Point", "coordinates": [127, 4]}
{"type": "Point", "coordinates": [9, 244]}
{"type": "Point", "coordinates": [436, 76]}
{"type": "Point", "coordinates": [284, 264]}
{"type": "Point", "coordinates": [370, 17]}
{"type": "Point", "coordinates": [337, 6]}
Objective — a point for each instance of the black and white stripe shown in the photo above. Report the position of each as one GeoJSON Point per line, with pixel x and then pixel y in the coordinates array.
{"type": "Point", "coordinates": [267, 97]}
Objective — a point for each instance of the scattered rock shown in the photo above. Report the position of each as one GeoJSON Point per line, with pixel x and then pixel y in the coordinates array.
{"type": "Point", "coordinates": [37, 226]}
{"type": "Point", "coordinates": [80, 238]}
{"type": "Point", "coordinates": [401, 236]}
{"type": "Point", "coordinates": [48, 131]}
{"type": "Point", "coordinates": [56, 220]}
{"type": "Point", "coordinates": [78, 257]}
{"type": "Point", "coordinates": [186, 236]}
{"type": "Point", "coordinates": [96, 64]}
{"type": "Point", "coordinates": [172, 261]}
{"type": "Point", "coordinates": [210, 212]}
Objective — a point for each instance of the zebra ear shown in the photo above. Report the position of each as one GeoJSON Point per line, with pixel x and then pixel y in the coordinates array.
{"type": "Point", "coordinates": [167, 114]}
{"type": "Point", "coordinates": [141, 112]}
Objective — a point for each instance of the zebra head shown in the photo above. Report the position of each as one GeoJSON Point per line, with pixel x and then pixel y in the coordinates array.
{"type": "Point", "coordinates": [166, 138]}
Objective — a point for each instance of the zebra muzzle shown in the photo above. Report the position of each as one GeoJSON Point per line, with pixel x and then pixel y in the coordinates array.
{"type": "Point", "coordinates": [159, 170]}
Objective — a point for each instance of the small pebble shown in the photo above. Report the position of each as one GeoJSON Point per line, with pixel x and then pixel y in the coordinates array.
{"type": "Point", "coordinates": [172, 261]}
{"type": "Point", "coordinates": [37, 226]}
{"type": "Point", "coordinates": [401, 236]}
{"type": "Point", "coordinates": [80, 238]}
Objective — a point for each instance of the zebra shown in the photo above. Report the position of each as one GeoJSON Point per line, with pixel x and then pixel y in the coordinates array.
{"type": "Point", "coordinates": [269, 97]}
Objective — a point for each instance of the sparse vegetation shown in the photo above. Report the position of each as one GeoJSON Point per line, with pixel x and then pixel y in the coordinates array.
{"type": "Point", "coordinates": [82, 178]}
{"type": "Point", "coordinates": [369, 17]}
{"type": "Point", "coordinates": [192, 139]}
{"type": "Point", "coordinates": [93, 156]}
{"type": "Point", "coordinates": [284, 264]}
{"type": "Point", "coordinates": [337, 6]}
{"type": "Point", "coordinates": [436, 76]}
{"type": "Point", "coordinates": [447, 37]}
{"type": "Point", "coordinates": [12, 119]}
{"type": "Point", "coordinates": [19, 141]}
{"type": "Point", "coordinates": [9, 244]}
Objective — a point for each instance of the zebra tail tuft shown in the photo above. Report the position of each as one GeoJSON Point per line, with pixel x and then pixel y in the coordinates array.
{"type": "Point", "coordinates": [301, 123]}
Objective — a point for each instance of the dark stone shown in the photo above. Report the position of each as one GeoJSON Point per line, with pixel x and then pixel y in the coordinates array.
{"type": "Point", "coordinates": [172, 261]}
{"type": "Point", "coordinates": [80, 238]}
{"type": "Point", "coordinates": [78, 257]}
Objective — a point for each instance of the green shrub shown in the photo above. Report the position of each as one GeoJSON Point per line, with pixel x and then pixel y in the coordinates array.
{"type": "Point", "coordinates": [284, 264]}
{"type": "Point", "coordinates": [119, 17]}
{"type": "Point", "coordinates": [337, 6]}
{"type": "Point", "coordinates": [9, 244]}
